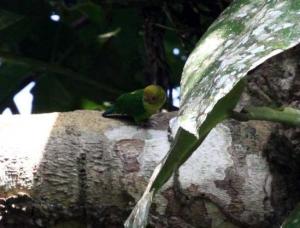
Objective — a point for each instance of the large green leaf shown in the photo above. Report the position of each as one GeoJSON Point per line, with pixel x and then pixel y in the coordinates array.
{"type": "Point", "coordinates": [244, 36]}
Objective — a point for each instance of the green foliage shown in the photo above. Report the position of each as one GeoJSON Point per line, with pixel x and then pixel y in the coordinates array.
{"type": "Point", "coordinates": [92, 53]}
{"type": "Point", "coordinates": [293, 220]}
{"type": "Point", "coordinates": [96, 51]}
{"type": "Point", "coordinates": [7, 19]}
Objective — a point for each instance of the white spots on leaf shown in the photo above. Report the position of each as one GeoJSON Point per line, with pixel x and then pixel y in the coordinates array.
{"type": "Point", "coordinates": [231, 57]}
{"type": "Point", "coordinates": [273, 14]}
{"type": "Point", "coordinates": [253, 10]}
{"type": "Point", "coordinates": [244, 40]}
{"type": "Point", "coordinates": [284, 26]}
{"type": "Point", "coordinates": [202, 56]}
{"type": "Point", "coordinates": [247, 57]}
{"type": "Point", "coordinates": [228, 43]}
{"type": "Point", "coordinates": [255, 50]}
{"type": "Point", "coordinates": [203, 51]}
{"type": "Point", "coordinates": [258, 31]}
{"type": "Point", "coordinates": [241, 14]}
{"type": "Point", "coordinates": [220, 81]}
{"type": "Point", "coordinates": [244, 11]}
{"type": "Point", "coordinates": [287, 25]}
{"type": "Point", "coordinates": [240, 66]}
{"type": "Point", "coordinates": [280, 5]}
{"type": "Point", "coordinates": [262, 37]}
{"type": "Point", "coordinates": [277, 28]}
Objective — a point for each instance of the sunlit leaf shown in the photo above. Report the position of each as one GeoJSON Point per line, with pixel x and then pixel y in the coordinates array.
{"type": "Point", "coordinates": [246, 34]}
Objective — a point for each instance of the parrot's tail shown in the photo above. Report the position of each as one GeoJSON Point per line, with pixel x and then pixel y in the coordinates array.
{"type": "Point", "coordinates": [108, 112]}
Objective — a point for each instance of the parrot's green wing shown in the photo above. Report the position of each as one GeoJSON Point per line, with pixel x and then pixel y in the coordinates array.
{"type": "Point", "coordinates": [130, 104]}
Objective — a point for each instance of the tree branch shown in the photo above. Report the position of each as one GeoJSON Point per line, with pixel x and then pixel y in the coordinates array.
{"type": "Point", "coordinates": [81, 165]}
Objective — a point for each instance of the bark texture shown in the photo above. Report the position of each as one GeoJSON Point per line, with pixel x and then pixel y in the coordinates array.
{"type": "Point", "coordinates": [80, 165]}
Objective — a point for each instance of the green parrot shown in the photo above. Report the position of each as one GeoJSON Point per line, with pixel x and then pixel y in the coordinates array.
{"type": "Point", "coordinates": [139, 104]}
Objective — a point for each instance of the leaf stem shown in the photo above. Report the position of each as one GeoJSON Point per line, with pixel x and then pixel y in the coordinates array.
{"type": "Point", "coordinates": [286, 115]}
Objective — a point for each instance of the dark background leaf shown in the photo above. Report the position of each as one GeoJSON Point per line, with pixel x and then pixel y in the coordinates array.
{"type": "Point", "coordinates": [95, 52]}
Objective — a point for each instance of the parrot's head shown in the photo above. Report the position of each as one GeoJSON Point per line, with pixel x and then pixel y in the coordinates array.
{"type": "Point", "coordinates": [154, 95]}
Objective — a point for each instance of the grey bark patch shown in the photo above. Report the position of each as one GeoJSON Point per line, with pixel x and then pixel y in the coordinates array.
{"type": "Point", "coordinates": [128, 150]}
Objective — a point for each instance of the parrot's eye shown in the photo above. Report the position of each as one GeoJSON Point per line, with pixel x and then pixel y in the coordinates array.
{"type": "Point", "coordinates": [151, 99]}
